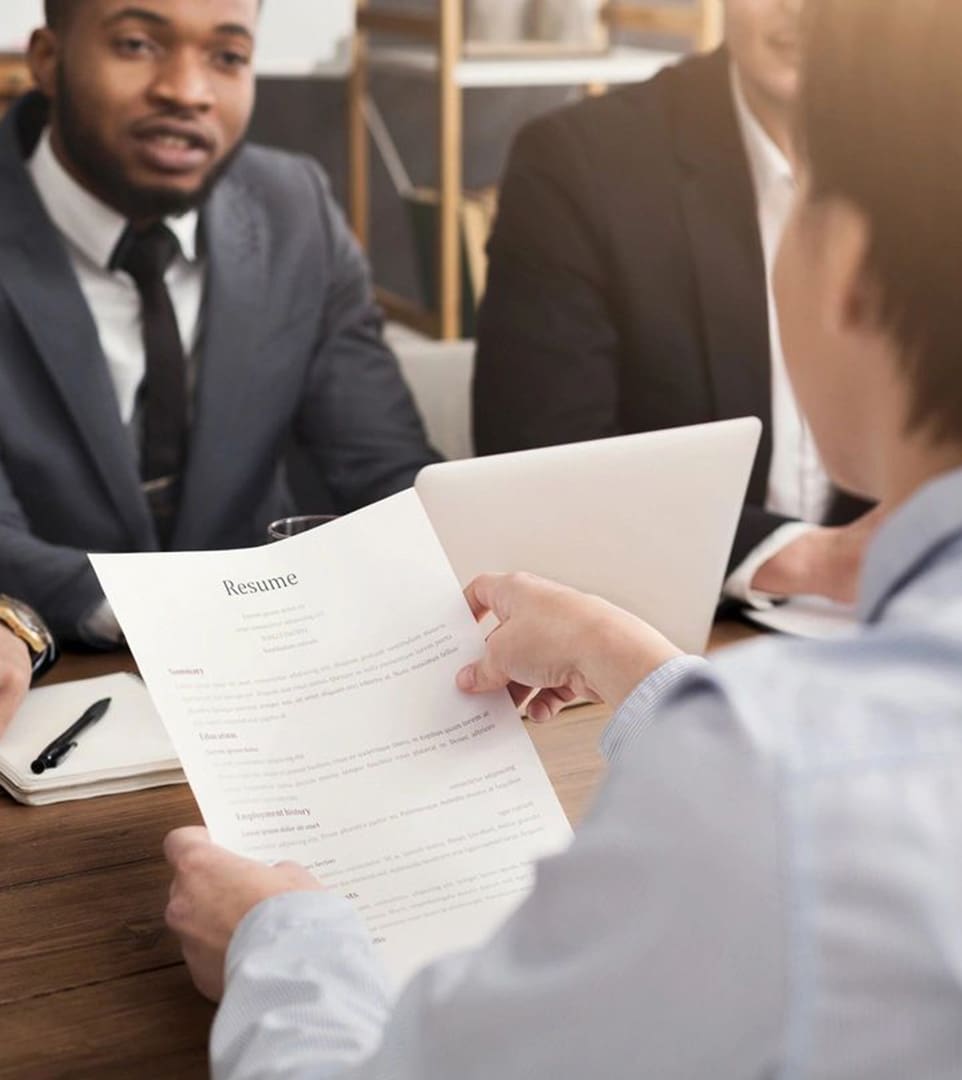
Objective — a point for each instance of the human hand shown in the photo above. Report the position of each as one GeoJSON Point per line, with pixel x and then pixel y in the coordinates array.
{"type": "Point", "coordinates": [15, 673]}
{"type": "Point", "coordinates": [823, 562]}
{"type": "Point", "coordinates": [212, 891]}
{"type": "Point", "coordinates": [561, 642]}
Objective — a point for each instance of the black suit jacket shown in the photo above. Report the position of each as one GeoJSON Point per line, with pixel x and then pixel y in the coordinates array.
{"type": "Point", "coordinates": [291, 352]}
{"type": "Point", "coordinates": [627, 282]}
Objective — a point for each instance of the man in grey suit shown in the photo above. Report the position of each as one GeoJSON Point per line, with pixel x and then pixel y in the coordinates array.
{"type": "Point", "coordinates": [176, 308]}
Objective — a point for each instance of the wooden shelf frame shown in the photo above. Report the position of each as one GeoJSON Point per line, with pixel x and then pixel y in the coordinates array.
{"type": "Point", "coordinates": [15, 78]}
{"type": "Point", "coordinates": [441, 32]}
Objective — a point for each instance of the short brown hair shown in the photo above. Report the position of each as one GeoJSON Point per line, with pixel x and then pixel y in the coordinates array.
{"type": "Point", "coordinates": [880, 123]}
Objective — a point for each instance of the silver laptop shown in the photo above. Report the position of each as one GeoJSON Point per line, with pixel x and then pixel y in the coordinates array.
{"type": "Point", "coordinates": [646, 521]}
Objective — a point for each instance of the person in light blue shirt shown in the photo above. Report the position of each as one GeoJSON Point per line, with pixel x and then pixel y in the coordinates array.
{"type": "Point", "coordinates": [770, 884]}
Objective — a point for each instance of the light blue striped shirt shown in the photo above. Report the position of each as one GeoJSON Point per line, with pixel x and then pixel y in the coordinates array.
{"type": "Point", "coordinates": [770, 883]}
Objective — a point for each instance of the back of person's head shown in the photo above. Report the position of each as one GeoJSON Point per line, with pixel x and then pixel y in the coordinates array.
{"type": "Point", "coordinates": [880, 118]}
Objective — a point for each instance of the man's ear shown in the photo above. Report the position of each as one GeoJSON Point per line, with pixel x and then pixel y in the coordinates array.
{"type": "Point", "coordinates": [849, 294]}
{"type": "Point", "coordinates": [43, 56]}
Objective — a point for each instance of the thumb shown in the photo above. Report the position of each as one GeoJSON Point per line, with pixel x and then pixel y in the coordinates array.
{"type": "Point", "coordinates": [181, 840]}
{"type": "Point", "coordinates": [481, 677]}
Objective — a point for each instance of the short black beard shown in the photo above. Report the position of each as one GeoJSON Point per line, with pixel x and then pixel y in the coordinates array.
{"type": "Point", "coordinates": [105, 176]}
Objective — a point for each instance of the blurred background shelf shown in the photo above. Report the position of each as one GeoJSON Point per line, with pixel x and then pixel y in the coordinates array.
{"type": "Point", "coordinates": [304, 46]}
{"type": "Point", "coordinates": [622, 64]}
{"type": "Point", "coordinates": [431, 44]}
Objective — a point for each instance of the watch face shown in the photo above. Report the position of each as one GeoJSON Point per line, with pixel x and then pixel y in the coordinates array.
{"type": "Point", "coordinates": [26, 624]}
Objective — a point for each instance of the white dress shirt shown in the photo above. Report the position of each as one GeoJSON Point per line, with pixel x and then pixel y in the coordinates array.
{"type": "Point", "coordinates": [768, 886]}
{"type": "Point", "coordinates": [91, 231]}
{"type": "Point", "coordinates": [798, 485]}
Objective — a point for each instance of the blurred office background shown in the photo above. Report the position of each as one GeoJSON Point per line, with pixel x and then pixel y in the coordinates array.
{"type": "Point", "coordinates": [304, 58]}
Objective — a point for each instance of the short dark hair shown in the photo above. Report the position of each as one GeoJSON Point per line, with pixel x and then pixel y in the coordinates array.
{"type": "Point", "coordinates": [879, 120]}
{"type": "Point", "coordinates": [57, 12]}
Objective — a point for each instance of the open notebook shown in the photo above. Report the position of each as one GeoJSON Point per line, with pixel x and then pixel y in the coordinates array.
{"type": "Point", "coordinates": [125, 751]}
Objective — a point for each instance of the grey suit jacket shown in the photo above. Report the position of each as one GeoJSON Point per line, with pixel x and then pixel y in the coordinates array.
{"type": "Point", "coordinates": [291, 352]}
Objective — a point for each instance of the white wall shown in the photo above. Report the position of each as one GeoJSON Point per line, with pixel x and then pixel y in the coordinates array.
{"type": "Point", "coordinates": [297, 37]}
{"type": "Point", "coordinates": [17, 19]}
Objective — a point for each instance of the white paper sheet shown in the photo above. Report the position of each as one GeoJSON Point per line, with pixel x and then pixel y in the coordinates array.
{"type": "Point", "coordinates": [308, 687]}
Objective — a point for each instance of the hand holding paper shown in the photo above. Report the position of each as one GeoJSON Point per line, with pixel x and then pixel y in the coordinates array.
{"type": "Point", "coordinates": [309, 687]}
{"type": "Point", "coordinates": [212, 891]}
{"type": "Point", "coordinates": [569, 644]}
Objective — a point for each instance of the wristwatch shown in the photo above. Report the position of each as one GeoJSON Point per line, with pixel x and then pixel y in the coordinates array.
{"type": "Point", "coordinates": [27, 625]}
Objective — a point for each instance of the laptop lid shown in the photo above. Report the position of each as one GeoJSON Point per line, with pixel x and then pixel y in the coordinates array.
{"type": "Point", "coordinates": [646, 521]}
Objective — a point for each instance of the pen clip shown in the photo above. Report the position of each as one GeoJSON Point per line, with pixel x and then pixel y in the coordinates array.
{"type": "Point", "coordinates": [55, 756]}
{"type": "Point", "coordinates": [51, 757]}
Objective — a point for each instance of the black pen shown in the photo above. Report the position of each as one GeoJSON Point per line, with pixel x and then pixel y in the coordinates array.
{"type": "Point", "coordinates": [51, 756]}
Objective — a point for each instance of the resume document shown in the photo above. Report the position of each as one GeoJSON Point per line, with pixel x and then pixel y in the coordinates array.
{"type": "Point", "coordinates": [309, 690]}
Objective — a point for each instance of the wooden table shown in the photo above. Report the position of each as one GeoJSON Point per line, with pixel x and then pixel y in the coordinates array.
{"type": "Point", "coordinates": [91, 982]}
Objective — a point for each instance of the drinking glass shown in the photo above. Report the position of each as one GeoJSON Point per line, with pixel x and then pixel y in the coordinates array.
{"type": "Point", "coordinates": [294, 526]}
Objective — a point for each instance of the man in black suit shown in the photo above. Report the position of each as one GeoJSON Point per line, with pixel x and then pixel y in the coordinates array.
{"type": "Point", "coordinates": [629, 289]}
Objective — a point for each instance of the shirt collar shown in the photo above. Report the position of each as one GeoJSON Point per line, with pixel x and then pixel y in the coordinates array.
{"type": "Point", "coordinates": [769, 166]}
{"type": "Point", "coordinates": [908, 541]}
{"type": "Point", "coordinates": [90, 225]}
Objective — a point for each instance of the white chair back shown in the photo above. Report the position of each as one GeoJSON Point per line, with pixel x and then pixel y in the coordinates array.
{"type": "Point", "coordinates": [439, 374]}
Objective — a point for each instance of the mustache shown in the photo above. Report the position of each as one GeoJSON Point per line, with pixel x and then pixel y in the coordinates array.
{"type": "Point", "coordinates": [177, 126]}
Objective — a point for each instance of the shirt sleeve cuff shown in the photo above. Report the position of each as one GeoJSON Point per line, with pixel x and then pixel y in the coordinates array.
{"type": "Point", "coordinates": [739, 583]}
{"type": "Point", "coordinates": [293, 911]}
{"type": "Point", "coordinates": [642, 706]}
{"type": "Point", "coordinates": [305, 993]}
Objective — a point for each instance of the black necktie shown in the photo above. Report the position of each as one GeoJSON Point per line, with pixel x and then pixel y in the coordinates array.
{"type": "Point", "coordinates": [146, 255]}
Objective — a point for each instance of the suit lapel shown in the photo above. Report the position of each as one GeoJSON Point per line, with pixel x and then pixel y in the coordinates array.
{"type": "Point", "coordinates": [720, 213]}
{"type": "Point", "coordinates": [234, 235]}
{"type": "Point", "coordinates": [40, 281]}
